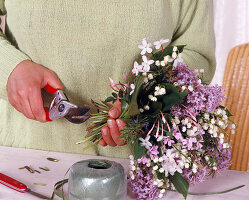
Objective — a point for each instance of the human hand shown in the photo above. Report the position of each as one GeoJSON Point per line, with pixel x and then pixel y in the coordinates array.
{"type": "Point", "coordinates": [24, 88]}
{"type": "Point", "coordinates": [111, 132]}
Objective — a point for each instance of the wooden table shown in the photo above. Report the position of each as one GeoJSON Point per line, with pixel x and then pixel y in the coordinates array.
{"type": "Point", "coordinates": [13, 158]}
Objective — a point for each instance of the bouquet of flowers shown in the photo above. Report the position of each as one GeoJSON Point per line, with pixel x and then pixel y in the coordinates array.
{"type": "Point", "coordinates": [175, 123]}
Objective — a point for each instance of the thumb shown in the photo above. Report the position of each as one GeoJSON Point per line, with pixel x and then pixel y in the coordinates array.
{"type": "Point", "coordinates": [115, 111]}
{"type": "Point", "coordinates": [51, 79]}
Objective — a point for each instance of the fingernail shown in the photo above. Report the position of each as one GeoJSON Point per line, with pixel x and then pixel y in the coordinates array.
{"type": "Point", "coordinates": [110, 122]}
{"type": "Point", "coordinates": [104, 131]}
{"type": "Point", "coordinates": [118, 122]}
{"type": "Point", "coordinates": [114, 112]}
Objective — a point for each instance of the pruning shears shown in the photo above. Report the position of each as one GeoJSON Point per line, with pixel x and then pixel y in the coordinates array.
{"type": "Point", "coordinates": [62, 107]}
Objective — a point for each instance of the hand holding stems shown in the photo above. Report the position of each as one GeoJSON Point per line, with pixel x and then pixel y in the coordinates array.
{"type": "Point", "coordinates": [24, 88]}
{"type": "Point", "coordinates": [111, 132]}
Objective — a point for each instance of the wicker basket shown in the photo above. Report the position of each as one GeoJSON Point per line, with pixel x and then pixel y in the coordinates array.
{"type": "Point", "coordinates": [236, 84]}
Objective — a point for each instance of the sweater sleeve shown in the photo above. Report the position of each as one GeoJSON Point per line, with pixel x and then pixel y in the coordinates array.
{"type": "Point", "coordinates": [10, 57]}
{"type": "Point", "coordinates": [195, 30]}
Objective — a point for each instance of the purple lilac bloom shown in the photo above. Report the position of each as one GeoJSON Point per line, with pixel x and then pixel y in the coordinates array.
{"type": "Point", "coordinates": [177, 133]}
{"type": "Point", "coordinates": [143, 185]}
{"type": "Point", "coordinates": [215, 95]}
{"type": "Point", "coordinates": [176, 110]}
{"type": "Point", "coordinates": [186, 75]}
{"type": "Point", "coordinates": [203, 98]}
{"type": "Point", "coordinates": [223, 159]}
{"type": "Point", "coordinates": [143, 160]}
{"type": "Point", "coordinates": [198, 177]}
{"type": "Point", "coordinates": [133, 122]}
{"type": "Point", "coordinates": [153, 152]}
{"type": "Point", "coordinates": [147, 125]}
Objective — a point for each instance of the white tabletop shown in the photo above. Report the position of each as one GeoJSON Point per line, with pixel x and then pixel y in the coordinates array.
{"type": "Point", "coordinates": [13, 158]}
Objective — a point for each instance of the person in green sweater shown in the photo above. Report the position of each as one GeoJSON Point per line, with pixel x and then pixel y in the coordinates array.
{"type": "Point", "coordinates": [76, 46]}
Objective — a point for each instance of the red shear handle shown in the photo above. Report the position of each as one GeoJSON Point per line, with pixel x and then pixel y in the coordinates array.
{"type": "Point", "coordinates": [50, 89]}
{"type": "Point", "coordinates": [12, 183]}
{"type": "Point", "coordinates": [47, 114]}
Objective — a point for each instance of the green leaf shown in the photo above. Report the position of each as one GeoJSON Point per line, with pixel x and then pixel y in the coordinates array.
{"type": "Point", "coordinates": [133, 109]}
{"type": "Point", "coordinates": [160, 175]}
{"type": "Point", "coordinates": [114, 94]}
{"type": "Point", "coordinates": [172, 96]}
{"type": "Point", "coordinates": [120, 94]}
{"type": "Point", "coordinates": [155, 107]}
{"type": "Point", "coordinates": [166, 51]}
{"type": "Point", "coordinates": [227, 111]}
{"type": "Point", "coordinates": [180, 184]}
{"type": "Point", "coordinates": [138, 150]}
{"type": "Point", "coordinates": [58, 193]}
{"type": "Point", "coordinates": [109, 99]}
{"type": "Point", "coordinates": [124, 105]}
{"type": "Point", "coordinates": [127, 97]}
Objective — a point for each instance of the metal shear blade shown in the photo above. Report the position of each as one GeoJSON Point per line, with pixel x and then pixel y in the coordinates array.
{"type": "Point", "coordinates": [61, 107]}
{"type": "Point", "coordinates": [77, 115]}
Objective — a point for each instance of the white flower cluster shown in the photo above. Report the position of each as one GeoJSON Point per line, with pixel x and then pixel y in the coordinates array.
{"type": "Point", "coordinates": [162, 191]}
{"type": "Point", "coordinates": [147, 78]}
{"type": "Point", "coordinates": [213, 165]}
{"type": "Point", "coordinates": [166, 183]}
{"type": "Point", "coordinates": [212, 123]}
{"type": "Point", "coordinates": [160, 183]}
{"type": "Point", "coordinates": [194, 168]}
{"type": "Point", "coordinates": [146, 47]}
{"type": "Point", "coordinates": [199, 70]}
{"type": "Point", "coordinates": [170, 162]}
{"type": "Point", "coordinates": [176, 120]}
{"type": "Point", "coordinates": [174, 54]}
{"type": "Point", "coordinates": [152, 98]}
{"type": "Point", "coordinates": [232, 128]}
{"type": "Point", "coordinates": [166, 59]}
{"type": "Point", "coordinates": [209, 125]}
{"type": "Point", "coordinates": [223, 120]}
{"type": "Point", "coordinates": [159, 91]}
{"type": "Point", "coordinates": [177, 58]}
{"type": "Point", "coordinates": [132, 167]}
{"type": "Point", "coordinates": [157, 182]}
{"type": "Point", "coordinates": [184, 87]}
{"type": "Point", "coordinates": [187, 126]}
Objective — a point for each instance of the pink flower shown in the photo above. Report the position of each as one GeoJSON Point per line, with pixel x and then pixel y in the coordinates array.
{"type": "Point", "coordinates": [143, 160]}
{"type": "Point", "coordinates": [146, 47]}
{"type": "Point", "coordinates": [146, 63]}
{"type": "Point", "coordinates": [137, 68]}
{"type": "Point", "coordinates": [145, 142]}
{"type": "Point", "coordinates": [169, 142]}
{"type": "Point", "coordinates": [159, 44]}
{"type": "Point", "coordinates": [153, 152]}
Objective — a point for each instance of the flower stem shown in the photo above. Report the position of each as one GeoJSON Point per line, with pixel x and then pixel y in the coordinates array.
{"type": "Point", "coordinates": [94, 143]}
{"type": "Point", "coordinates": [212, 193]}
{"type": "Point", "coordinates": [86, 139]}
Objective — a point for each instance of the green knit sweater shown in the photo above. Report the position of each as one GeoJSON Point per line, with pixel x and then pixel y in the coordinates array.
{"type": "Point", "coordinates": [85, 42]}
